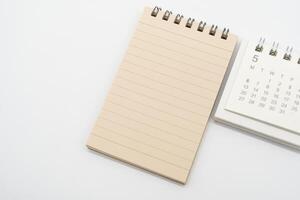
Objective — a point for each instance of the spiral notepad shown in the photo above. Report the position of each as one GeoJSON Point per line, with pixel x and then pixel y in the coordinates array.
{"type": "Point", "coordinates": [156, 111]}
{"type": "Point", "coordinates": [263, 91]}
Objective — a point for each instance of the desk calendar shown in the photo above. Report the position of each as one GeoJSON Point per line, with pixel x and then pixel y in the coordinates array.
{"type": "Point", "coordinates": [268, 86]}
{"type": "Point", "coordinates": [263, 91]}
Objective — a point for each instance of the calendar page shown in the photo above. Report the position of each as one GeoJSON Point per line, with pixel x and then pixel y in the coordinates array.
{"type": "Point", "coordinates": [267, 87]}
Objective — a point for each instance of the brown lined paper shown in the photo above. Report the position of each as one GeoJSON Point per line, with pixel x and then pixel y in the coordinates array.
{"type": "Point", "coordinates": [157, 109]}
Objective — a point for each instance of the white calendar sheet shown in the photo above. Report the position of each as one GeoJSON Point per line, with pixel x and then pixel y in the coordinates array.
{"type": "Point", "coordinates": [267, 88]}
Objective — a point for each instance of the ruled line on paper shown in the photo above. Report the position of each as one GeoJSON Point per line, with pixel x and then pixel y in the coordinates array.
{"type": "Point", "coordinates": [211, 91]}
{"type": "Point", "coordinates": [175, 68]}
{"type": "Point", "coordinates": [167, 75]}
{"type": "Point", "coordinates": [135, 38]}
{"type": "Point", "coordinates": [152, 117]}
{"type": "Point", "coordinates": [162, 92]}
{"type": "Point", "coordinates": [166, 102]}
{"type": "Point", "coordinates": [170, 133]}
{"type": "Point", "coordinates": [141, 152]}
{"type": "Point", "coordinates": [200, 60]}
{"type": "Point", "coordinates": [148, 129]}
{"type": "Point", "coordinates": [176, 60]}
{"type": "Point", "coordinates": [149, 135]}
{"type": "Point", "coordinates": [144, 143]}
{"type": "Point", "coordinates": [183, 44]}
{"type": "Point", "coordinates": [182, 35]}
{"type": "Point", "coordinates": [157, 109]}
{"type": "Point", "coordinates": [171, 86]}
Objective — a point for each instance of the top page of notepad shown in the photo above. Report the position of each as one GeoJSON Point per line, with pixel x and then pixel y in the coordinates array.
{"type": "Point", "coordinates": [157, 108]}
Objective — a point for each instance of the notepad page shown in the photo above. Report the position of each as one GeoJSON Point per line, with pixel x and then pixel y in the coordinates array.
{"type": "Point", "coordinates": [158, 106]}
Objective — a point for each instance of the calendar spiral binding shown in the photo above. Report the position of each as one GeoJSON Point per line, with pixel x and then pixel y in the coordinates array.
{"type": "Point", "coordinates": [190, 22]}
{"type": "Point", "coordinates": [274, 50]}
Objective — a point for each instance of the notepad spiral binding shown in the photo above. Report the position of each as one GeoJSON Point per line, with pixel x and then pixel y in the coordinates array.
{"type": "Point", "coordinates": [190, 22]}
{"type": "Point", "coordinates": [274, 50]}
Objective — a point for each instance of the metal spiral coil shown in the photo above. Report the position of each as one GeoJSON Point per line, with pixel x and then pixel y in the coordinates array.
{"type": "Point", "coordinates": [167, 15]}
{"type": "Point", "coordinates": [201, 25]}
{"type": "Point", "coordinates": [260, 46]}
{"type": "Point", "coordinates": [225, 33]}
{"type": "Point", "coordinates": [155, 11]}
{"type": "Point", "coordinates": [288, 53]}
{"type": "Point", "coordinates": [274, 50]}
{"type": "Point", "coordinates": [213, 30]}
{"type": "Point", "coordinates": [178, 19]}
{"type": "Point", "coordinates": [189, 23]}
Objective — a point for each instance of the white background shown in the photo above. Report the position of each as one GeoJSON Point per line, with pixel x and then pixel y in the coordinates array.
{"type": "Point", "coordinates": [57, 61]}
